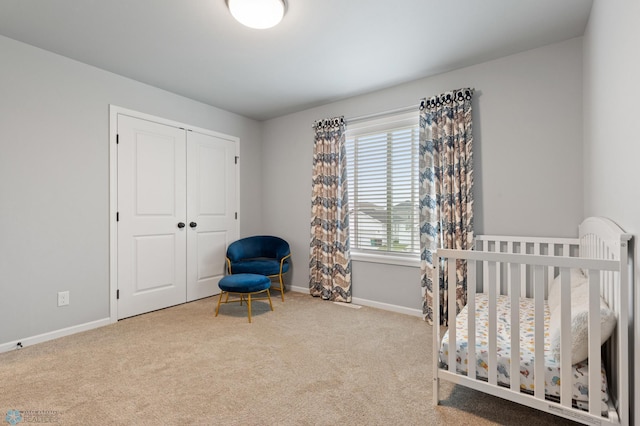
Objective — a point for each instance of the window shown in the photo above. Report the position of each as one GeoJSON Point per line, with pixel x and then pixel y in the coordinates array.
{"type": "Point", "coordinates": [382, 175]}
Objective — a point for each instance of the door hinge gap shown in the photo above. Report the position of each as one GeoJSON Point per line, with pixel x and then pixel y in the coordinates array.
{"type": "Point", "coordinates": [117, 139]}
{"type": "Point", "coordinates": [236, 215]}
{"type": "Point", "coordinates": [237, 159]}
{"type": "Point", "coordinates": [117, 216]}
{"type": "Point", "coordinates": [118, 294]}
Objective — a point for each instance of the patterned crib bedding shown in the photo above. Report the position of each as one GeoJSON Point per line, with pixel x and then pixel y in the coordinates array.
{"type": "Point", "coordinates": [580, 371]}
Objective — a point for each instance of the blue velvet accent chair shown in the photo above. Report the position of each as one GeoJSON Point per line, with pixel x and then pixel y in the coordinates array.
{"type": "Point", "coordinates": [261, 254]}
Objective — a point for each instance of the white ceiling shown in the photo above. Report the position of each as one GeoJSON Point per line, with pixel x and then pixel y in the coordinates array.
{"type": "Point", "coordinates": [322, 51]}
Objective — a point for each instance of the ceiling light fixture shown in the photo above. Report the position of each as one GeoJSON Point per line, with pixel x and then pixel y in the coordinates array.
{"type": "Point", "coordinates": [259, 14]}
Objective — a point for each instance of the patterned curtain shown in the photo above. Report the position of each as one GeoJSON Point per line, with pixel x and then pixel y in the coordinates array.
{"type": "Point", "coordinates": [446, 199]}
{"type": "Point", "coordinates": [330, 259]}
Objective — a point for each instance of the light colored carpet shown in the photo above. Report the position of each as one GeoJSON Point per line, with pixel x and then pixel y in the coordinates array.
{"type": "Point", "coordinates": [309, 362]}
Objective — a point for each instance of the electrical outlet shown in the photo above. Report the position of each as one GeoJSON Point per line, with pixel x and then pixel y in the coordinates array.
{"type": "Point", "coordinates": [63, 298]}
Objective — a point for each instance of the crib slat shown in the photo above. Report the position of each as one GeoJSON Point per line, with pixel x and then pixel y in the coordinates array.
{"type": "Point", "coordinates": [485, 276]}
{"type": "Point", "coordinates": [498, 280]}
{"type": "Point", "coordinates": [536, 251]}
{"type": "Point", "coordinates": [626, 307]}
{"type": "Point", "coordinates": [550, 277]}
{"type": "Point", "coordinates": [538, 294]}
{"type": "Point", "coordinates": [436, 329]}
{"type": "Point", "coordinates": [594, 342]}
{"type": "Point", "coordinates": [523, 272]}
{"type": "Point", "coordinates": [471, 312]}
{"type": "Point", "coordinates": [510, 246]}
{"type": "Point", "coordinates": [565, 338]}
{"type": "Point", "coordinates": [612, 292]}
{"type": "Point", "coordinates": [451, 287]}
{"type": "Point", "coordinates": [515, 327]}
{"type": "Point", "coordinates": [493, 341]}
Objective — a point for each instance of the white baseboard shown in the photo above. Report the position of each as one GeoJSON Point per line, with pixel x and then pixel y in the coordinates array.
{"type": "Point", "coordinates": [28, 341]}
{"type": "Point", "coordinates": [371, 303]}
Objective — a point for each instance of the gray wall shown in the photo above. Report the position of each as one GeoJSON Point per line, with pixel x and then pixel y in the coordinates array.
{"type": "Point", "coordinates": [54, 182]}
{"type": "Point", "coordinates": [611, 142]}
{"type": "Point", "coordinates": [528, 158]}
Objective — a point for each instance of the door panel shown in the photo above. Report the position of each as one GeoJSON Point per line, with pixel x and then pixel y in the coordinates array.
{"type": "Point", "coordinates": [155, 178]}
{"type": "Point", "coordinates": [154, 258]}
{"type": "Point", "coordinates": [211, 249]}
{"type": "Point", "coordinates": [212, 170]}
{"type": "Point", "coordinates": [151, 203]}
{"type": "Point", "coordinates": [211, 204]}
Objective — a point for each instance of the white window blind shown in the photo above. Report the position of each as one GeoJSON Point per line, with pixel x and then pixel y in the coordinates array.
{"type": "Point", "coordinates": [382, 176]}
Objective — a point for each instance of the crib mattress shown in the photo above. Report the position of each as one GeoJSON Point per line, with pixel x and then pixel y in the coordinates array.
{"type": "Point", "coordinates": [580, 371]}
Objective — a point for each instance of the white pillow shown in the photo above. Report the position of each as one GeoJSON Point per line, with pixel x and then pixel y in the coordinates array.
{"type": "Point", "coordinates": [580, 324]}
{"type": "Point", "coordinates": [577, 278]}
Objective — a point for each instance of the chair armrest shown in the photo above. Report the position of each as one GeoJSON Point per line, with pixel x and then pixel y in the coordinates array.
{"type": "Point", "coordinates": [283, 260]}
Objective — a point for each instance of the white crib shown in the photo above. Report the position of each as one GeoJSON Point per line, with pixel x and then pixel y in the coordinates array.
{"type": "Point", "coordinates": [519, 271]}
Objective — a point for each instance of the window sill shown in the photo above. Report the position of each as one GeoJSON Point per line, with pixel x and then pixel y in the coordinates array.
{"type": "Point", "coordinates": [389, 259]}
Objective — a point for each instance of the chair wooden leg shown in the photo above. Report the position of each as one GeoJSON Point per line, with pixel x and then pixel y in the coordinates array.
{"type": "Point", "coordinates": [281, 287]}
{"type": "Point", "coordinates": [220, 300]}
{"type": "Point", "coordinates": [249, 306]}
{"type": "Point", "coordinates": [269, 296]}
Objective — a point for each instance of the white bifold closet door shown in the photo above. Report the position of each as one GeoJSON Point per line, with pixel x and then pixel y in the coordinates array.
{"type": "Point", "coordinates": [211, 208]}
{"type": "Point", "coordinates": [176, 214]}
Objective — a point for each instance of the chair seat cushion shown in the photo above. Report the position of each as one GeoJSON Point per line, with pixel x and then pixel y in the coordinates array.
{"type": "Point", "coordinates": [258, 266]}
{"type": "Point", "coordinates": [244, 283]}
